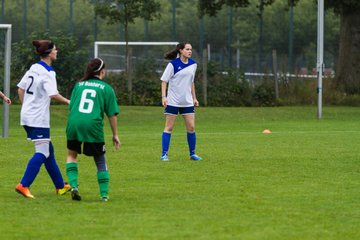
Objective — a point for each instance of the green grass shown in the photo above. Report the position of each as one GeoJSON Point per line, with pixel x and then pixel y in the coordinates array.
{"type": "Point", "coordinates": [300, 182]}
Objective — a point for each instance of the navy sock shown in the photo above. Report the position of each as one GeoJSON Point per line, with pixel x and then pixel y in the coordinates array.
{"type": "Point", "coordinates": [53, 169]}
{"type": "Point", "coordinates": [165, 142]}
{"type": "Point", "coordinates": [32, 169]}
{"type": "Point", "coordinates": [54, 172]}
{"type": "Point", "coordinates": [191, 138]}
{"type": "Point", "coordinates": [100, 162]}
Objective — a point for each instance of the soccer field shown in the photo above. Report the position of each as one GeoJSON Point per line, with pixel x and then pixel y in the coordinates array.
{"type": "Point", "coordinates": [302, 181]}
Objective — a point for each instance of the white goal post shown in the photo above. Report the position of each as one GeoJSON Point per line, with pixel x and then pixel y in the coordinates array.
{"type": "Point", "coordinates": [119, 55]}
{"type": "Point", "coordinates": [6, 90]}
{"type": "Point", "coordinates": [98, 43]}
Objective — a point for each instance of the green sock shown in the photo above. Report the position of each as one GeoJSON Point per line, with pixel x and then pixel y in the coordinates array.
{"type": "Point", "coordinates": [72, 173]}
{"type": "Point", "coordinates": [103, 180]}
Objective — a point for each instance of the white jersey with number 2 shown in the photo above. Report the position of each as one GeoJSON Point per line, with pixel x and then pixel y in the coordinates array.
{"type": "Point", "coordinates": [180, 77]}
{"type": "Point", "coordinates": [39, 84]}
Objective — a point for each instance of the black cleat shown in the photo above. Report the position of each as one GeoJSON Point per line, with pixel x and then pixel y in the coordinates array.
{"type": "Point", "coordinates": [75, 194]}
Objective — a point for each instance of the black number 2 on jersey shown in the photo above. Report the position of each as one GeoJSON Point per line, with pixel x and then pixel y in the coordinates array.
{"type": "Point", "coordinates": [28, 90]}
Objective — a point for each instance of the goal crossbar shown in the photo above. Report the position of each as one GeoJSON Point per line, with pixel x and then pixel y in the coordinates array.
{"type": "Point", "coordinates": [98, 43]}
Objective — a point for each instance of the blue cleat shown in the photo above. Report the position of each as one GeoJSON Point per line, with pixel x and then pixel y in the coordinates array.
{"type": "Point", "coordinates": [195, 157]}
{"type": "Point", "coordinates": [164, 158]}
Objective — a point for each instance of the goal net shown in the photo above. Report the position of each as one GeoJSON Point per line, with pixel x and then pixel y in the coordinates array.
{"type": "Point", "coordinates": [113, 53]}
{"type": "Point", "coordinates": [5, 58]}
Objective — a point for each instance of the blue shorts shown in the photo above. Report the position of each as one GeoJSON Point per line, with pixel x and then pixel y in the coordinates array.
{"type": "Point", "coordinates": [35, 133]}
{"type": "Point", "coordinates": [176, 110]}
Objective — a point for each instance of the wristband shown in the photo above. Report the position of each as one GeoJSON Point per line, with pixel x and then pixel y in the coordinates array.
{"type": "Point", "coordinates": [163, 96]}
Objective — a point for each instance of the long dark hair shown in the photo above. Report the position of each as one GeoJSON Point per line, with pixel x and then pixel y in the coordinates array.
{"type": "Point", "coordinates": [174, 53]}
{"type": "Point", "coordinates": [93, 69]}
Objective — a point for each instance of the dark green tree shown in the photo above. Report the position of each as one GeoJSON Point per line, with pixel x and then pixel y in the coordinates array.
{"type": "Point", "coordinates": [347, 75]}
{"type": "Point", "coordinates": [211, 7]}
{"type": "Point", "coordinates": [69, 66]}
{"type": "Point", "coordinates": [126, 11]}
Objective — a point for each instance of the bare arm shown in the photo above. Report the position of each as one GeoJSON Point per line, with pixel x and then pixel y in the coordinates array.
{"type": "Point", "coordinates": [6, 99]}
{"type": "Point", "coordinates": [163, 93]}
{"type": "Point", "coordinates": [21, 93]}
{"type": "Point", "coordinates": [196, 102]}
{"type": "Point", "coordinates": [115, 137]}
{"type": "Point", "coordinates": [60, 98]}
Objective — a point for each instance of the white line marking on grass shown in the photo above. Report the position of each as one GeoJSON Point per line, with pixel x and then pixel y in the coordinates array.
{"type": "Point", "coordinates": [229, 133]}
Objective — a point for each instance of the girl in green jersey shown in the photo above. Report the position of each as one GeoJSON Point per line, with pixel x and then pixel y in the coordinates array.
{"type": "Point", "coordinates": [91, 98]}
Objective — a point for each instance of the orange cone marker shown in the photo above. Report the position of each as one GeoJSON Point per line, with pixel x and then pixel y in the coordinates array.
{"type": "Point", "coordinates": [266, 131]}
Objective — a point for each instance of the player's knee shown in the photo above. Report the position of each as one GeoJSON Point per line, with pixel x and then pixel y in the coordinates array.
{"type": "Point", "coordinates": [71, 156]}
{"type": "Point", "coordinates": [43, 148]}
{"type": "Point", "coordinates": [169, 129]}
{"type": "Point", "coordinates": [191, 129]}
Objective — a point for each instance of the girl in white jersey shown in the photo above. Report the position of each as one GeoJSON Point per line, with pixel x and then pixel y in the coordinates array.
{"type": "Point", "coordinates": [180, 98]}
{"type": "Point", "coordinates": [36, 89]}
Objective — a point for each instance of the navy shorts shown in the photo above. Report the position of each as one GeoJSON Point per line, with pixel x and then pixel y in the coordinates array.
{"type": "Point", "coordinates": [176, 110]}
{"type": "Point", "coordinates": [89, 149]}
{"type": "Point", "coordinates": [36, 134]}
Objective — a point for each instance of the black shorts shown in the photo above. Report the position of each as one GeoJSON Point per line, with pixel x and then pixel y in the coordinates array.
{"type": "Point", "coordinates": [89, 149]}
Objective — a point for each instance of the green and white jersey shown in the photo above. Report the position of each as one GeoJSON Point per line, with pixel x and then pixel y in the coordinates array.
{"type": "Point", "coordinates": [89, 101]}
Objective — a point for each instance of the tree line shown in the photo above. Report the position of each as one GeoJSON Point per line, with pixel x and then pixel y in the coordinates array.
{"type": "Point", "coordinates": [251, 29]}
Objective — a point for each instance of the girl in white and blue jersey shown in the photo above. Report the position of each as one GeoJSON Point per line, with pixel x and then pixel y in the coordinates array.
{"type": "Point", "coordinates": [36, 89]}
{"type": "Point", "coordinates": [180, 96]}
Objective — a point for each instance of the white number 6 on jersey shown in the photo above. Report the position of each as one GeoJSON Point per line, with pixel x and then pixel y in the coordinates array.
{"type": "Point", "coordinates": [87, 104]}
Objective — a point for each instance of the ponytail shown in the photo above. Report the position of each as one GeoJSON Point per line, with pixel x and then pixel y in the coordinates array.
{"type": "Point", "coordinates": [93, 69]}
{"type": "Point", "coordinates": [174, 53]}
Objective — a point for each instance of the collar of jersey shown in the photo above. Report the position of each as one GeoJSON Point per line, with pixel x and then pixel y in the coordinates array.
{"type": "Point", "coordinates": [179, 65]}
{"type": "Point", "coordinates": [47, 67]}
